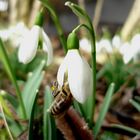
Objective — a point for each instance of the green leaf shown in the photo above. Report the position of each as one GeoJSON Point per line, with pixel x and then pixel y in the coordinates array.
{"type": "Point", "coordinates": [87, 110]}
{"type": "Point", "coordinates": [79, 108]}
{"type": "Point", "coordinates": [104, 109]}
{"type": "Point", "coordinates": [109, 136]}
{"type": "Point", "coordinates": [10, 98]}
{"type": "Point", "coordinates": [49, 128]}
{"type": "Point", "coordinates": [135, 104]}
{"type": "Point", "coordinates": [5, 122]}
{"type": "Point", "coordinates": [57, 23]}
{"type": "Point", "coordinates": [126, 128]}
{"type": "Point", "coordinates": [6, 62]}
{"type": "Point", "coordinates": [14, 126]}
{"type": "Point", "coordinates": [5, 106]}
{"type": "Point", "coordinates": [31, 120]}
{"type": "Point", "coordinates": [137, 98]}
{"type": "Point", "coordinates": [31, 87]}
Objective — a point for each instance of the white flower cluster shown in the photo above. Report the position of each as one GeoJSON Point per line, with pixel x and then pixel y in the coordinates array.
{"type": "Point", "coordinates": [78, 71]}
{"type": "Point", "coordinates": [29, 45]}
{"type": "Point", "coordinates": [14, 33]}
{"type": "Point", "coordinates": [3, 5]}
{"type": "Point", "coordinates": [129, 50]}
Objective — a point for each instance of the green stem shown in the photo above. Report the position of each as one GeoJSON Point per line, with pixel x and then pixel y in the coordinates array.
{"type": "Point", "coordinates": [58, 26]}
{"type": "Point", "coordinates": [10, 72]}
{"type": "Point", "coordinates": [93, 53]}
{"type": "Point", "coordinates": [87, 22]}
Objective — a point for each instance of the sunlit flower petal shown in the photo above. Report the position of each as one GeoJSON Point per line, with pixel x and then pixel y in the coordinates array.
{"type": "Point", "coordinates": [126, 51]}
{"type": "Point", "coordinates": [116, 41]}
{"type": "Point", "coordinates": [29, 45]}
{"type": "Point", "coordinates": [85, 44]}
{"type": "Point", "coordinates": [47, 47]}
{"type": "Point", "coordinates": [79, 75]}
{"type": "Point", "coordinates": [105, 45]}
{"type": "Point", "coordinates": [61, 71]}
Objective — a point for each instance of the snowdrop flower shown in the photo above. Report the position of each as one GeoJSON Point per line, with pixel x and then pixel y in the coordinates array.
{"type": "Point", "coordinates": [105, 45]}
{"type": "Point", "coordinates": [131, 50]}
{"type": "Point", "coordinates": [85, 44]}
{"type": "Point", "coordinates": [29, 44]}
{"type": "Point", "coordinates": [135, 45]}
{"type": "Point", "coordinates": [116, 41]}
{"type": "Point", "coordinates": [125, 50]}
{"type": "Point", "coordinates": [14, 34]}
{"type": "Point", "coordinates": [3, 5]}
{"type": "Point", "coordinates": [77, 71]}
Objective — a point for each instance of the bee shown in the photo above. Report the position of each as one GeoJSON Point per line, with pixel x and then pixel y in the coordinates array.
{"type": "Point", "coordinates": [62, 99]}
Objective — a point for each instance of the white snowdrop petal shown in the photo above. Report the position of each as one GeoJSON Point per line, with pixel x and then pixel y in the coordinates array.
{"type": "Point", "coordinates": [85, 44]}
{"type": "Point", "coordinates": [135, 44]}
{"type": "Point", "coordinates": [29, 45]}
{"type": "Point", "coordinates": [79, 74]}
{"type": "Point", "coordinates": [105, 45]}
{"type": "Point", "coordinates": [124, 47]}
{"type": "Point", "coordinates": [135, 40]}
{"type": "Point", "coordinates": [47, 47]}
{"type": "Point", "coordinates": [127, 57]}
{"type": "Point", "coordinates": [61, 71]}
{"type": "Point", "coordinates": [116, 41]}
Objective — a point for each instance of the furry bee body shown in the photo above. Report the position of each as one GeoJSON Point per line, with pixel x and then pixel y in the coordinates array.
{"type": "Point", "coordinates": [62, 100]}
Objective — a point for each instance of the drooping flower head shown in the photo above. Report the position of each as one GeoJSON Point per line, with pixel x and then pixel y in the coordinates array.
{"type": "Point", "coordinates": [76, 70]}
{"type": "Point", "coordinates": [30, 41]}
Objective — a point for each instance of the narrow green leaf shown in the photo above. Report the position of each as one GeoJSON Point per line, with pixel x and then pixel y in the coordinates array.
{"type": "Point", "coordinates": [57, 23]}
{"type": "Point", "coordinates": [109, 136]}
{"type": "Point", "coordinates": [14, 126]}
{"type": "Point", "coordinates": [31, 87]}
{"type": "Point", "coordinates": [104, 109]}
{"type": "Point", "coordinates": [49, 127]}
{"type": "Point", "coordinates": [6, 62]}
{"type": "Point", "coordinates": [137, 98]}
{"type": "Point", "coordinates": [10, 98]}
{"type": "Point", "coordinates": [87, 108]}
{"type": "Point", "coordinates": [5, 107]}
{"type": "Point", "coordinates": [6, 124]}
{"type": "Point", "coordinates": [79, 108]}
{"type": "Point", "coordinates": [135, 104]}
{"type": "Point", "coordinates": [31, 120]}
{"type": "Point", "coordinates": [126, 128]}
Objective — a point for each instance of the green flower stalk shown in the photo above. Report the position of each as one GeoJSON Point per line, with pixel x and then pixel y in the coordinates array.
{"type": "Point", "coordinates": [11, 74]}
{"type": "Point", "coordinates": [58, 26]}
{"type": "Point", "coordinates": [90, 104]}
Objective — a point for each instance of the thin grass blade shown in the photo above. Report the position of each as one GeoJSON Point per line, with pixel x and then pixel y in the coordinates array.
{"type": "Point", "coordinates": [104, 109]}
{"type": "Point", "coordinates": [135, 104]}
{"type": "Point", "coordinates": [10, 98]}
{"type": "Point", "coordinates": [49, 128]}
{"type": "Point", "coordinates": [126, 128]}
{"type": "Point", "coordinates": [31, 87]}
{"type": "Point", "coordinates": [6, 124]}
{"type": "Point", "coordinates": [8, 67]}
{"type": "Point", "coordinates": [31, 120]}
